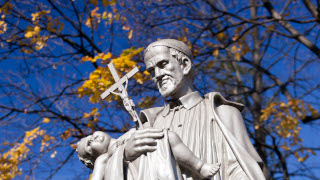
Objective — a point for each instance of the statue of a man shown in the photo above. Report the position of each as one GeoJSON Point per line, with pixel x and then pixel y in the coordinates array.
{"type": "Point", "coordinates": [211, 127]}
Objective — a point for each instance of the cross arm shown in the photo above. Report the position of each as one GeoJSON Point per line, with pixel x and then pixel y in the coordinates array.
{"type": "Point", "coordinates": [119, 83]}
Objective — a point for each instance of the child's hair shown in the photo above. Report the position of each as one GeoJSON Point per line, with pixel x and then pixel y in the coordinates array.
{"type": "Point", "coordinates": [86, 160]}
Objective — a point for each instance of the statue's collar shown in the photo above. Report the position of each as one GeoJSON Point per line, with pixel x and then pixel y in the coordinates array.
{"type": "Point", "coordinates": [187, 101]}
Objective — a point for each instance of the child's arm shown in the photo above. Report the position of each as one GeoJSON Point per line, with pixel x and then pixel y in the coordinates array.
{"type": "Point", "coordinates": [185, 157]}
{"type": "Point", "coordinates": [99, 166]}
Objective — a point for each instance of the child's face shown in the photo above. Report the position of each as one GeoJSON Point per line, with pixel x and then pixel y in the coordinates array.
{"type": "Point", "coordinates": [95, 144]}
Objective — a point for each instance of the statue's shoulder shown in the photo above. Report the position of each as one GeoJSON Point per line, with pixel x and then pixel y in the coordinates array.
{"type": "Point", "coordinates": [228, 112]}
{"type": "Point", "coordinates": [218, 100]}
{"type": "Point", "coordinates": [150, 114]}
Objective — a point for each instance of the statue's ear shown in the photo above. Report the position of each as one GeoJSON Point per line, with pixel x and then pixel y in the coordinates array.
{"type": "Point", "coordinates": [186, 65]}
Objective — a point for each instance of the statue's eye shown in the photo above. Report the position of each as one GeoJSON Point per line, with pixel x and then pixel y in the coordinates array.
{"type": "Point", "coordinates": [162, 64]}
{"type": "Point", "coordinates": [89, 142]}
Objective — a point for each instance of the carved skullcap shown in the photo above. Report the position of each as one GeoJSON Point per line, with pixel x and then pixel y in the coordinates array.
{"type": "Point", "coordinates": [171, 43]}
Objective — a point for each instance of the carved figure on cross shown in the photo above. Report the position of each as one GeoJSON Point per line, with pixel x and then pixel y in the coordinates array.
{"type": "Point", "coordinates": [122, 92]}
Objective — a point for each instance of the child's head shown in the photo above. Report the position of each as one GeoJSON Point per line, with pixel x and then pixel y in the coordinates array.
{"type": "Point", "coordinates": [92, 146]}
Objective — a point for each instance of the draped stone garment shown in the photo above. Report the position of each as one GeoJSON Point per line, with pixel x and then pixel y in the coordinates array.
{"type": "Point", "coordinates": [157, 165]}
{"type": "Point", "coordinates": [213, 129]}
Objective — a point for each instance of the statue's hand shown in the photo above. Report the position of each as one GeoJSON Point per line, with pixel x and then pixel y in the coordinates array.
{"type": "Point", "coordinates": [142, 141]}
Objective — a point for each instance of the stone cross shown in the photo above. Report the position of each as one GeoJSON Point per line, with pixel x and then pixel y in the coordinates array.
{"type": "Point", "coordinates": [128, 103]}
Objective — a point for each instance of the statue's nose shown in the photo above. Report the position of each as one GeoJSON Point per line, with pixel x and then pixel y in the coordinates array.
{"type": "Point", "coordinates": [158, 73]}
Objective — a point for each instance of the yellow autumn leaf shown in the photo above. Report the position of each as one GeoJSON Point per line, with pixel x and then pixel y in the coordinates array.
{"type": "Point", "coordinates": [220, 36]}
{"type": "Point", "coordinates": [302, 159]}
{"type": "Point", "coordinates": [139, 78]}
{"type": "Point", "coordinates": [234, 48]}
{"type": "Point", "coordinates": [90, 124]}
{"type": "Point", "coordinates": [28, 34]}
{"type": "Point", "coordinates": [130, 34]}
{"type": "Point", "coordinates": [66, 134]}
{"type": "Point", "coordinates": [32, 31]}
{"type": "Point", "coordinates": [105, 3]}
{"type": "Point", "coordinates": [104, 56]}
{"type": "Point", "coordinates": [94, 2]}
{"type": "Point", "coordinates": [61, 26]}
{"type": "Point", "coordinates": [3, 27]}
{"type": "Point", "coordinates": [238, 29]}
{"type": "Point", "coordinates": [146, 73]}
{"type": "Point", "coordinates": [46, 120]}
{"type": "Point", "coordinates": [215, 53]}
{"type": "Point", "coordinates": [127, 28]}
{"type": "Point", "coordinates": [109, 15]}
{"type": "Point", "coordinates": [237, 56]}
{"type": "Point", "coordinates": [285, 147]}
{"type": "Point", "coordinates": [53, 154]}
{"type": "Point", "coordinates": [86, 58]}
{"type": "Point", "coordinates": [37, 15]}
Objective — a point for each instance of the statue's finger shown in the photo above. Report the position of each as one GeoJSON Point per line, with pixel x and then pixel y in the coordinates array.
{"type": "Point", "coordinates": [145, 141]}
{"type": "Point", "coordinates": [144, 149]}
{"type": "Point", "coordinates": [149, 130]}
{"type": "Point", "coordinates": [153, 135]}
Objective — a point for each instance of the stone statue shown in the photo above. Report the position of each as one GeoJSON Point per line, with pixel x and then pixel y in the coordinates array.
{"type": "Point", "coordinates": [95, 150]}
{"type": "Point", "coordinates": [210, 126]}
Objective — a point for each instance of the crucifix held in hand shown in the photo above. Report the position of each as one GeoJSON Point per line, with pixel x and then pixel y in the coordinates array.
{"type": "Point", "coordinates": [122, 92]}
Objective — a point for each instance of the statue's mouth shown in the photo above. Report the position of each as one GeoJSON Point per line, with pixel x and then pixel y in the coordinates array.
{"type": "Point", "coordinates": [164, 81]}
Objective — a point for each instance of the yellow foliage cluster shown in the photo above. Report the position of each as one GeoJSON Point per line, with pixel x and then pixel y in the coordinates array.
{"type": "Point", "coordinates": [37, 15]}
{"type": "Point", "coordinates": [101, 78]}
{"type": "Point", "coordinates": [101, 56]}
{"type": "Point", "coordinates": [6, 8]}
{"type": "Point", "coordinates": [3, 24]}
{"type": "Point", "coordinates": [240, 47]}
{"type": "Point", "coordinates": [67, 133]}
{"type": "Point", "coordinates": [45, 142]}
{"type": "Point", "coordinates": [93, 115]}
{"type": "Point", "coordinates": [32, 33]}
{"type": "Point", "coordinates": [46, 120]}
{"type": "Point", "coordinates": [54, 25]}
{"type": "Point", "coordinates": [94, 19]}
{"type": "Point", "coordinates": [33, 36]}
{"type": "Point", "coordinates": [237, 49]}
{"type": "Point", "coordinates": [284, 122]}
{"type": "Point", "coordinates": [10, 160]}
{"type": "Point", "coordinates": [98, 80]}
{"type": "Point", "coordinates": [147, 102]}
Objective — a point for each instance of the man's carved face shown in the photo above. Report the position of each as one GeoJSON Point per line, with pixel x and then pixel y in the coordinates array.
{"type": "Point", "coordinates": [166, 71]}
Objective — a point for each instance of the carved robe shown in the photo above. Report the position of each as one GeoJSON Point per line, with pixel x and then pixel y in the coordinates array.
{"type": "Point", "coordinates": [212, 128]}
{"type": "Point", "coordinates": [157, 165]}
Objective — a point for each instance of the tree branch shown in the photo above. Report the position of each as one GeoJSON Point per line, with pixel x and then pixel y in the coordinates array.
{"type": "Point", "coordinates": [312, 9]}
{"type": "Point", "coordinates": [296, 34]}
{"type": "Point", "coordinates": [311, 118]}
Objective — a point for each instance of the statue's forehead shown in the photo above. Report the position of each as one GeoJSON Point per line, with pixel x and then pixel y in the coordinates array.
{"type": "Point", "coordinates": [156, 54]}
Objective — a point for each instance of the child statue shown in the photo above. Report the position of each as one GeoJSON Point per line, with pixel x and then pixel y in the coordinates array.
{"type": "Point", "coordinates": [96, 149]}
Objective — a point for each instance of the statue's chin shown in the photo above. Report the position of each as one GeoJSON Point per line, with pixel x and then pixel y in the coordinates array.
{"type": "Point", "coordinates": [169, 89]}
{"type": "Point", "coordinates": [166, 91]}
